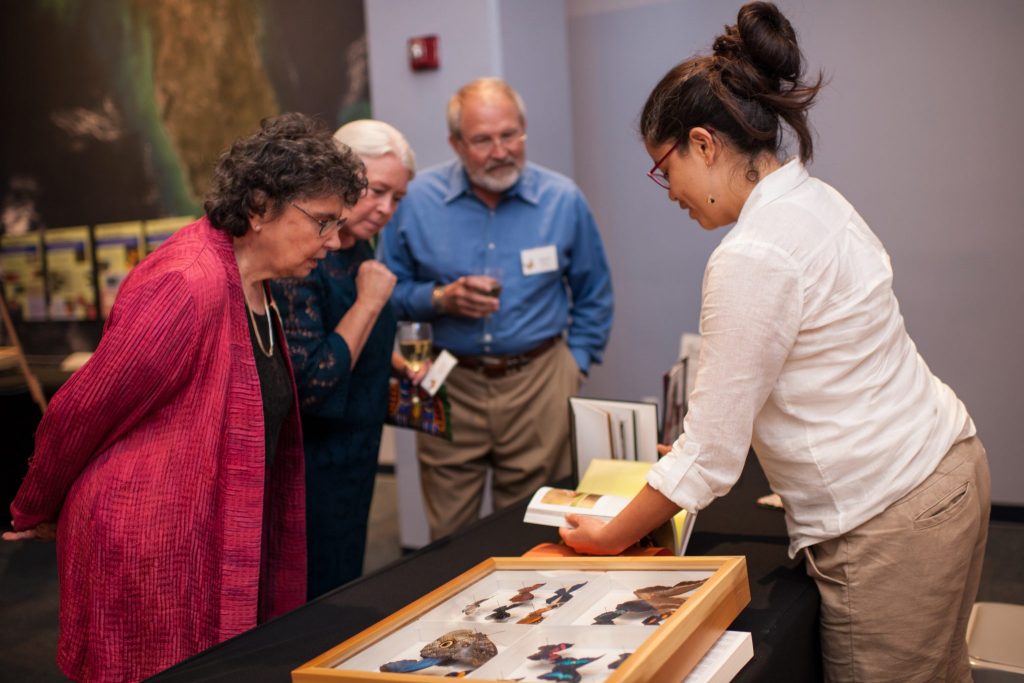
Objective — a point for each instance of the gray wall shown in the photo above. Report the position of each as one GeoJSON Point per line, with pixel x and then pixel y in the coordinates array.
{"type": "Point", "coordinates": [918, 127]}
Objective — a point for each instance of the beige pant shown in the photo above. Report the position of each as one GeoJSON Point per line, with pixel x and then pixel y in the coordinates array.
{"type": "Point", "coordinates": [516, 425]}
{"type": "Point", "coordinates": [896, 592]}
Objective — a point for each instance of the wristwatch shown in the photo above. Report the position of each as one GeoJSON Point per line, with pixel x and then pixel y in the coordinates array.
{"type": "Point", "coordinates": [437, 298]}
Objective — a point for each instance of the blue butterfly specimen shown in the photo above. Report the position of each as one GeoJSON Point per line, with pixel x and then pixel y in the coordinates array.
{"type": "Point", "coordinates": [566, 669]}
{"type": "Point", "coordinates": [549, 652]}
{"type": "Point", "coordinates": [404, 666]}
{"type": "Point", "coordinates": [571, 675]}
{"type": "Point", "coordinates": [564, 595]}
{"type": "Point", "coordinates": [620, 660]}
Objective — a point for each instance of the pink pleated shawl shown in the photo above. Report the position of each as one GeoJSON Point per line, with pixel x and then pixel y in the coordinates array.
{"type": "Point", "coordinates": [151, 458]}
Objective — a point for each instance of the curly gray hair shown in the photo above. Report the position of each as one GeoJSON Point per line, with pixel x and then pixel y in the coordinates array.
{"type": "Point", "coordinates": [291, 156]}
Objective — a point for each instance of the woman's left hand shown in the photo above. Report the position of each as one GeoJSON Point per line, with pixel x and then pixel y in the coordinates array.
{"type": "Point", "coordinates": [402, 368]}
{"type": "Point", "coordinates": [47, 531]}
{"type": "Point", "coordinates": [418, 376]}
{"type": "Point", "coordinates": [589, 536]}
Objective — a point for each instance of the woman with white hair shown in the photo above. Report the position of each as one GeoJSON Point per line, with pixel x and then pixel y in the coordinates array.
{"type": "Point", "coordinates": [340, 329]}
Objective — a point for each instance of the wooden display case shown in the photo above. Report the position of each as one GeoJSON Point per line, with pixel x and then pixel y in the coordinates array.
{"type": "Point", "coordinates": [552, 619]}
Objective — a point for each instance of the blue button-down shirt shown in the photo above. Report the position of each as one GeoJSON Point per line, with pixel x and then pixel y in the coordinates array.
{"type": "Point", "coordinates": [442, 231]}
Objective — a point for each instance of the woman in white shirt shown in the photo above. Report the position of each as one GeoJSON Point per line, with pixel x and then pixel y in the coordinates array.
{"type": "Point", "coordinates": [806, 357]}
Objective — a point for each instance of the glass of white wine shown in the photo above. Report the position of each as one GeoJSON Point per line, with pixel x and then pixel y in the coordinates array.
{"type": "Point", "coordinates": [415, 343]}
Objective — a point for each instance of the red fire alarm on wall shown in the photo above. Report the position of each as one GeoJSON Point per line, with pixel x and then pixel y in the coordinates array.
{"type": "Point", "coordinates": [423, 53]}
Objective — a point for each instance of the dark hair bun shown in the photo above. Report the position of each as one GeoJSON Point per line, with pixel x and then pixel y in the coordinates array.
{"type": "Point", "coordinates": [769, 40]}
{"type": "Point", "coordinates": [748, 89]}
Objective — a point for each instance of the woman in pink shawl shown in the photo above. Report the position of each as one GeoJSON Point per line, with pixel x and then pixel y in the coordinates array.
{"type": "Point", "coordinates": [170, 467]}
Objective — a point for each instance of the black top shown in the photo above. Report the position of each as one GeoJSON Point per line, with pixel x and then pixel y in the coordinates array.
{"type": "Point", "coordinates": [275, 383]}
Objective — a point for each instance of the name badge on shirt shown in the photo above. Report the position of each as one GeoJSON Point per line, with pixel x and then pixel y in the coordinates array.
{"type": "Point", "coordinates": [539, 260]}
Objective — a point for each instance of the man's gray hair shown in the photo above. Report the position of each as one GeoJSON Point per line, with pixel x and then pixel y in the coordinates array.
{"type": "Point", "coordinates": [480, 86]}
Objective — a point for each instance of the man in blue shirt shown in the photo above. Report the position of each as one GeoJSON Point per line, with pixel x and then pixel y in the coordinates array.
{"type": "Point", "coordinates": [504, 259]}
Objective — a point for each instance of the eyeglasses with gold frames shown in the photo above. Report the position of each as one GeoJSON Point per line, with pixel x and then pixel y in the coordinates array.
{"type": "Point", "coordinates": [326, 224]}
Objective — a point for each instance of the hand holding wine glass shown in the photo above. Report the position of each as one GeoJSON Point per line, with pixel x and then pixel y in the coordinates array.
{"type": "Point", "coordinates": [415, 342]}
{"type": "Point", "coordinates": [494, 276]}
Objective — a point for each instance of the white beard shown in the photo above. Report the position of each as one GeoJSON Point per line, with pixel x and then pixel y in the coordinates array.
{"type": "Point", "coordinates": [496, 180]}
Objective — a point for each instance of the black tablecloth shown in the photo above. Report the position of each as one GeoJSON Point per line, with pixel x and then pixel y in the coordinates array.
{"type": "Point", "coordinates": [782, 614]}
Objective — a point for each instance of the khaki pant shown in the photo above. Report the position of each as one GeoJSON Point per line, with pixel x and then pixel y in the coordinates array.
{"type": "Point", "coordinates": [896, 592]}
{"type": "Point", "coordinates": [516, 425]}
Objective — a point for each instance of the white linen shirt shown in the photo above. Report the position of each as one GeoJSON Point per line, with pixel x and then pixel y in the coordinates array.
{"type": "Point", "coordinates": [805, 356]}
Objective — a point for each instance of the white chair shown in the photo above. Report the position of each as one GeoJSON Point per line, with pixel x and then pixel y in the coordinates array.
{"type": "Point", "coordinates": [995, 642]}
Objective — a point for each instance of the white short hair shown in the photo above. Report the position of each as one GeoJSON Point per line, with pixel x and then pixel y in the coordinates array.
{"type": "Point", "coordinates": [372, 138]}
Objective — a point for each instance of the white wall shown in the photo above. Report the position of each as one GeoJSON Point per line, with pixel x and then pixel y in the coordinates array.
{"type": "Point", "coordinates": [918, 127]}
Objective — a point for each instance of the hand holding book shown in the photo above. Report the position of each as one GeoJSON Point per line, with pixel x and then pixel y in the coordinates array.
{"type": "Point", "coordinates": [613, 509]}
{"type": "Point", "coordinates": [646, 512]}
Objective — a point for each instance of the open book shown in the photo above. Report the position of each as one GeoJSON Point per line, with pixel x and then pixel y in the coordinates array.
{"type": "Point", "coordinates": [605, 489]}
{"type": "Point", "coordinates": [549, 506]}
{"type": "Point", "coordinates": [614, 430]}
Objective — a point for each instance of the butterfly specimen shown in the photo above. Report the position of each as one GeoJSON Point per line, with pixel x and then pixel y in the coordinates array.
{"type": "Point", "coordinates": [549, 652]}
{"type": "Point", "coordinates": [465, 646]}
{"type": "Point", "coordinates": [570, 675]}
{"type": "Point", "coordinates": [663, 600]}
{"type": "Point", "coordinates": [564, 595]}
{"type": "Point", "coordinates": [634, 606]}
{"type": "Point", "coordinates": [668, 591]}
{"type": "Point", "coordinates": [471, 609]}
{"type": "Point", "coordinates": [456, 674]}
{"type": "Point", "coordinates": [536, 616]}
{"type": "Point", "coordinates": [656, 619]}
{"type": "Point", "coordinates": [565, 669]}
{"type": "Point", "coordinates": [608, 618]}
{"type": "Point", "coordinates": [501, 613]}
{"type": "Point", "coordinates": [620, 660]}
{"type": "Point", "coordinates": [525, 594]}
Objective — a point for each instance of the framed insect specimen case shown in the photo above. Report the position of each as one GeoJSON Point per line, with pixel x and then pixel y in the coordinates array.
{"type": "Point", "coordinates": [573, 620]}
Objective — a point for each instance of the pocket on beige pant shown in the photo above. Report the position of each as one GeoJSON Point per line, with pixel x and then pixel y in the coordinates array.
{"type": "Point", "coordinates": [945, 508]}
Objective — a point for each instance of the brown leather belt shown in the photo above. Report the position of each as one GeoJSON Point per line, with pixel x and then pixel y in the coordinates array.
{"type": "Point", "coordinates": [499, 366]}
